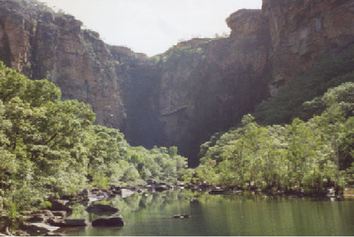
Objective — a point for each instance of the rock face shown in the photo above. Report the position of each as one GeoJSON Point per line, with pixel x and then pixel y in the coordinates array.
{"type": "Point", "coordinates": [39, 43]}
{"type": "Point", "coordinates": [207, 85]}
{"type": "Point", "coordinates": [193, 90]}
{"type": "Point", "coordinates": [303, 31]}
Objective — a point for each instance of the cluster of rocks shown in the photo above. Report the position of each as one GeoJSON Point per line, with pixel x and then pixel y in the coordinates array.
{"type": "Point", "coordinates": [150, 187]}
{"type": "Point", "coordinates": [325, 192]}
{"type": "Point", "coordinates": [54, 222]}
{"type": "Point", "coordinates": [46, 222]}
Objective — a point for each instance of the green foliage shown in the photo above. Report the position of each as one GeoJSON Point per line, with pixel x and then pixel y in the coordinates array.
{"type": "Point", "coordinates": [46, 205]}
{"type": "Point", "coordinates": [50, 147]}
{"type": "Point", "coordinates": [296, 155]}
{"type": "Point", "coordinates": [188, 49]}
{"type": "Point", "coordinates": [301, 156]}
{"type": "Point", "coordinates": [100, 180]}
{"type": "Point", "coordinates": [159, 163]}
{"type": "Point", "coordinates": [13, 213]}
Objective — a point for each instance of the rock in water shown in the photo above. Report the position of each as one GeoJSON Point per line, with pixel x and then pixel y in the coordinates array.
{"type": "Point", "coordinates": [161, 188]}
{"type": "Point", "coordinates": [60, 205]}
{"type": "Point", "coordinates": [126, 193]}
{"type": "Point", "coordinates": [68, 222]}
{"type": "Point", "coordinates": [184, 216]}
{"type": "Point", "coordinates": [38, 228]}
{"type": "Point", "coordinates": [114, 221]}
{"type": "Point", "coordinates": [219, 190]}
{"type": "Point", "coordinates": [75, 222]}
{"type": "Point", "coordinates": [102, 209]}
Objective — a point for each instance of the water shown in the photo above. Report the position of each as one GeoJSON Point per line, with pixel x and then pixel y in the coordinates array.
{"type": "Point", "coordinates": [225, 215]}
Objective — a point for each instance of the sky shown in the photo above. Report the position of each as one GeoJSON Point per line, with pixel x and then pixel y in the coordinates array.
{"type": "Point", "coordinates": [152, 26]}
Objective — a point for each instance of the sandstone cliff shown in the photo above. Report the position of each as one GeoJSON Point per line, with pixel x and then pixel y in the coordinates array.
{"type": "Point", "coordinates": [303, 32]}
{"type": "Point", "coordinates": [193, 90]}
{"type": "Point", "coordinates": [40, 43]}
{"type": "Point", "coordinates": [208, 84]}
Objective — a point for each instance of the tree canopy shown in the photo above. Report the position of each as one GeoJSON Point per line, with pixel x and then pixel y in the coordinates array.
{"type": "Point", "coordinates": [51, 148]}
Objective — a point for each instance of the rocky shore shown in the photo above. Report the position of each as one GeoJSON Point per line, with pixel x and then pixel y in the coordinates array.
{"type": "Point", "coordinates": [55, 220]}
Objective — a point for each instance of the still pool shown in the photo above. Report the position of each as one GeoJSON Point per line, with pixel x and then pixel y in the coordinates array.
{"type": "Point", "coordinates": [246, 214]}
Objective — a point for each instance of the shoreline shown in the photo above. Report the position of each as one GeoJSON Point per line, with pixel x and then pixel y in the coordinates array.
{"type": "Point", "coordinates": [54, 220]}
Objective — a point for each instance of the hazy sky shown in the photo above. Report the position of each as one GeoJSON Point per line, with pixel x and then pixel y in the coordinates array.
{"type": "Point", "coordinates": [153, 26]}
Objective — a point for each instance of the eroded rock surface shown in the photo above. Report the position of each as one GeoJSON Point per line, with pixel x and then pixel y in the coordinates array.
{"type": "Point", "coordinates": [304, 31]}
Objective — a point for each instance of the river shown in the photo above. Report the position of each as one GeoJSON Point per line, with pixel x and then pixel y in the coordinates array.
{"type": "Point", "coordinates": [246, 214]}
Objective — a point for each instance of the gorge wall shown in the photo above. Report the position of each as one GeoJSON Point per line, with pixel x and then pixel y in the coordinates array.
{"type": "Point", "coordinates": [304, 32]}
{"type": "Point", "coordinates": [193, 90]}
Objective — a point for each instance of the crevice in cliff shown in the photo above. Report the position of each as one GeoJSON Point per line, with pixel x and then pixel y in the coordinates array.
{"type": "Point", "coordinates": [176, 110]}
{"type": "Point", "coordinates": [5, 50]}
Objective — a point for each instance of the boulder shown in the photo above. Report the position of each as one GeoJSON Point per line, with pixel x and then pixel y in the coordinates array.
{"type": "Point", "coordinates": [68, 222]}
{"type": "Point", "coordinates": [131, 188]}
{"type": "Point", "coordinates": [151, 182]}
{"type": "Point", "coordinates": [37, 228]}
{"type": "Point", "coordinates": [59, 214]}
{"type": "Point", "coordinates": [126, 193]}
{"type": "Point", "coordinates": [19, 233]}
{"type": "Point", "coordinates": [101, 194]}
{"type": "Point", "coordinates": [38, 216]}
{"type": "Point", "coordinates": [219, 190]}
{"type": "Point", "coordinates": [102, 209]}
{"type": "Point", "coordinates": [110, 194]}
{"type": "Point", "coordinates": [116, 191]}
{"type": "Point", "coordinates": [60, 205]}
{"type": "Point", "coordinates": [54, 234]}
{"type": "Point", "coordinates": [56, 222]}
{"type": "Point", "coordinates": [161, 188]}
{"type": "Point", "coordinates": [193, 187]}
{"type": "Point", "coordinates": [44, 212]}
{"type": "Point", "coordinates": [85, 194]}
{"type": "Point", "coordinates": [75, 222]}
{"type": "Point", "coordinates": [114, 221]}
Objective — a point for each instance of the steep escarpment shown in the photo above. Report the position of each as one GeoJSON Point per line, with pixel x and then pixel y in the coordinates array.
{"type": "Point", "coordinates": [40, 43]}
{"type": "Point", "coordinates": [140, 93]}
{"type": "Point", "coordinates": [208, 84]}
{"type": "Point", "coordinates": [304, 31]}
{"type": "Point", "coordinates": [193, 90]}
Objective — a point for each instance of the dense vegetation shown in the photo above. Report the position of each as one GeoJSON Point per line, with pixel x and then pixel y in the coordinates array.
{"type": "Point", "coordinates": [50, 148]}
{"type": "Point", "coordinates": [292, 100]}
{"type": "Point", "coordinates": [301, 140]}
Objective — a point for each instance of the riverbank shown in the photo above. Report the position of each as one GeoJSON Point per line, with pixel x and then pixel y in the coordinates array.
{"type": "Point", "coordinates": [56, 218]}
{"type": "Point", "coordinates": [245, 213]}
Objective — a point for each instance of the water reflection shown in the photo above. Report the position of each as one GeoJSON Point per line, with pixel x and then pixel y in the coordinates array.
{"type": "Point", "coordinates": [247, 214]}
